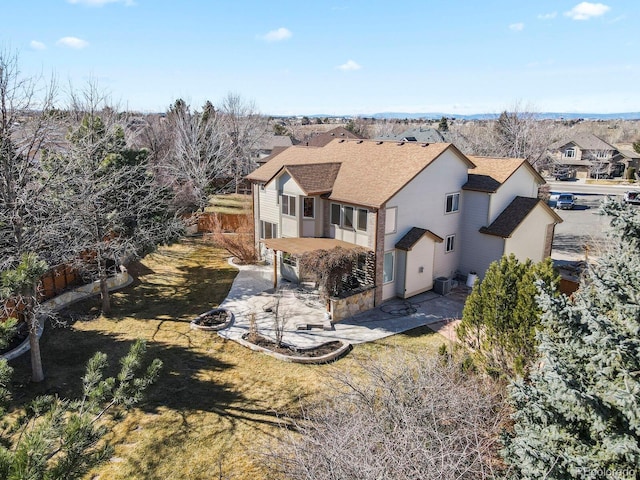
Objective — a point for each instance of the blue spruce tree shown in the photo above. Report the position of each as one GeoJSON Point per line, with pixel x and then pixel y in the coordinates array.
{"type": "Point", "coordinates": [578, 415]}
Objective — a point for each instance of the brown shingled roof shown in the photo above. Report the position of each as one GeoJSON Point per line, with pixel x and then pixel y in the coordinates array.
{"type": "Point", "coordinates": [371, 172]}
{"type": "Point", "coordinates": [316, 178]}
{"type": "Point", "coordinates": [512, 216]}
{"type": "Point", "coordinates": [490, 173]}
{"type": "Point", "coordinates": [412, 236]}
{"type": "Point", "coordinates": [323, 138]}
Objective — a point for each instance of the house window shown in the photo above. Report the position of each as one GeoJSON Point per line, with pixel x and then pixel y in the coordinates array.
{"type": "Point", "coordinates": [308, 207]}
{"type": "Point", "coordinates": [570, 153]}
{"type": "Point", "coordinates": [347, 219]}
{"type": "Point", "coordinates": [601, 154]}
{"type": "Point", "coordinates": [268, 230]}
{"type": "Point", "coordinates": [289, 205]}
{"type": "Point", "coordinates": [390, 220]}
{"type": "Point", "coordinates": [452, 203]}
{"type": "Point", "coordinates": [449, 243]}
{"type": "Point", "coordinates": [387, 268]}
{"type": "Point", "coordinates": [362, 219]}
{"type": "Point", "coordinates": [335, 214]}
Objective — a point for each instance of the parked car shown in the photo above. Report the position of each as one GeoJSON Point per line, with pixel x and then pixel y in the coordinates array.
{"type": "Point", "coordinates": [633, 197]}
{"type": "Point", "coordinates": [564, 174]}
{"type": "Point", "coordinates": [566, 201]}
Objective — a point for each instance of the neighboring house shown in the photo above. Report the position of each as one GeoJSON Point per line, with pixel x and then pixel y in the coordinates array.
{"type": "Point", "coordinates": [320, 139]}
{"type": "Point", "coordinates": [268, 144]}
{"type": "Point", "coordinates": [588, 155]}
{"type": "Point", "coordinates": [630, 157]}
{"type": "Point", "coordinates": [424, 211]}
{"type": "Point", "coordinates": [427, 135]}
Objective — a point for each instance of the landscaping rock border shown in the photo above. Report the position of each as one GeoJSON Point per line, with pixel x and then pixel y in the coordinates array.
{"type": "Point", "coordinates": [329, 357]}
{"type": "Point", "coordinates": [212, 328]}
{"type": "Point", "coordinates": [121, 280]}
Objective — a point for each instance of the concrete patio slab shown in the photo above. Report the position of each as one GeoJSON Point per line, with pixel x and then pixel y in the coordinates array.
{"type": "Point", "coordinates": [252, 294]}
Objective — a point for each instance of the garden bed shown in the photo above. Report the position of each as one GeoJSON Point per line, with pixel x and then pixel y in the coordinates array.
{"type": "Point", "coordinates": [213, 320]}
{"type": "Point", "coordinates": [323, 353]}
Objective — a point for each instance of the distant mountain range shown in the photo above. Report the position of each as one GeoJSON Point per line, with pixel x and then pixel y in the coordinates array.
{"type": "Point", "coordinates": [489, 116]}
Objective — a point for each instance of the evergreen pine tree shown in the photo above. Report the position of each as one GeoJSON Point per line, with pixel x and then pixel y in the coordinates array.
{"type": "Point", "coordinates": [501, 315]}
{"type": "Point", "coordinates": [578, 416]}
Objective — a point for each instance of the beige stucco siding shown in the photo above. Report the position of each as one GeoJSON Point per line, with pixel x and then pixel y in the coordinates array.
{"type": "Point", "coordinates": [528, 240]}
{"type": "Point", "coordinates": [421, 203]}
{"type": "Point", "coordinates": [478, 250]}
{"type": "Point", "coordinates": [521, 183]}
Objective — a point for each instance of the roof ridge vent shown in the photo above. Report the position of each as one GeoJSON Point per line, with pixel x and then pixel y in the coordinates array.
{"type": "Point", "coordinates": [400, 143]}
{"type": "Point", "coordinates": [379, 143]}
{"type": "Point", "coordinates": [425, 144]}
{"type": "Point", "coordinates": [341, 140]}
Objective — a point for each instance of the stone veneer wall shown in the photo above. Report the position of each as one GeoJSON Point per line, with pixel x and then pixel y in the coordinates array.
{"type": "Point", "coordinates": [342, 308]}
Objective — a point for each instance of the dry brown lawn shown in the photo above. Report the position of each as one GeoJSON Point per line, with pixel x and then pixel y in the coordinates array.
{"type": "Point", "coordinates": [216, 405]}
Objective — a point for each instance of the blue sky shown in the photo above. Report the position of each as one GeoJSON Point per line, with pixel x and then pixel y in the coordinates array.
{"type": "Point", "coordinates": [339, 57]}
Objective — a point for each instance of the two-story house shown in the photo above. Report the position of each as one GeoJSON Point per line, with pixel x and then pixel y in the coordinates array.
{"type": "Point", "coordinates": [588, 155]}
{"type": "Point", "coordinates": [418, 207]}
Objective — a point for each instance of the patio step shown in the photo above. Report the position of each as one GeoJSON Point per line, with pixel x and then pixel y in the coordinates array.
{"type": "Point", "coordinates": [318, 325]}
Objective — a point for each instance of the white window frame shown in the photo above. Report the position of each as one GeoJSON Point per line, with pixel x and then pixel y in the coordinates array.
{"type": "Point", "coordinates": [392, 253]}
{"type": "Point", "coordinates": [569, 153]}
{"type": "Point", "coordinates": [313, 208]}
{"type": "Point", "coordinates": [274, 230]}
{"type": "Point", "coordinates": [332, 220]}
{"type": "Point", "coordinates": [450, 244]}
{"type": "Point", "coordinates": [345, 208]}
{"type": "Point", "coordinates": [288, 201]}
{"type": "Point", "coordinates": [455, 202]}
{"type": "Point", "coordinates": [366, 219]}
{"type": "Point", "coordinates": [391, 213]}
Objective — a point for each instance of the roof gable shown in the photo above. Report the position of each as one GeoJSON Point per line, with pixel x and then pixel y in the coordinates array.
{"type": "Point", "coordinates": [413, 236]}
{"type": "Point", "coordinates": [491, 173]}
{"type": "Point", "coordinates": [586, 141]}
{"type": "Point", "coordinates": [511, 217]}
{"type": "Point", "coordinates": [370, 173]}
{"type": "Point", "coordinates": [313, 179]}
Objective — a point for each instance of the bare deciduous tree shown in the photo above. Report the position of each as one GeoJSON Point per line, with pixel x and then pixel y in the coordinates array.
{"type": "Point", "coordinates": [198, 161]}
{"type": "Point", "coordinates": [31, 223]}
{"type": "Point", "coordinates": [399, 417]}
{"type": "Point", "coordinates": [516, 133]}
{"type": "Point", "coordinates": [245, 127]}
{"type": "Point", "coordinates": [117, 211]}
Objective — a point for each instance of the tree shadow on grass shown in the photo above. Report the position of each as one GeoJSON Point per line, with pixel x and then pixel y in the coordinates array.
{"type": "Point", "coordinates": [182, 385]}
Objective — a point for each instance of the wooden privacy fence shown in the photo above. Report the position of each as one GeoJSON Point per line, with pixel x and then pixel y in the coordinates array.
{"type": "Point", "coordinates": [229, 222]}
{"type": "Point", "coordinates": [56, 281]}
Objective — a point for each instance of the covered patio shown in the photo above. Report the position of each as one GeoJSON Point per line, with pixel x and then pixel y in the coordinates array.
{"type": "Point", "coordinates": [300, 245]}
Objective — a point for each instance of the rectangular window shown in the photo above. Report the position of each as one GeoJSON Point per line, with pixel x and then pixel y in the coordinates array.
{"type": "Point", "coordinates": [570, 153]}
{"type": "Point", "coordinates": [289, 205]}
{"type": "Point", "coordinates": [309, 207]}
{"type": "Point", "coordinates": [452, 203]}
{"type": "Point", "coordinates": [387, 269]}
{"type": "Point", "coordinates": [347, 219]}
{"type": "Point", "coordinates": [362, 219]}
{"type": "Point", "coordinates": [449, 243]}
{"type": "Point", "coordinates": [268, 230]}
{"type": "Point", "coordinates": [335, 214]}
{"type": "Point", "coordinates": [390, 220]}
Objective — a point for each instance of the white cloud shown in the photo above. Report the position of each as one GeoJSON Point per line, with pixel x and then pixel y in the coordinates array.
{"type": "Point", "coordinates": [36, 45]}
{"type": "Point", "coordinates": [586, 10]}
{"type": "Point", "coordinates": [278, 35]}
{"type": "Point", "coordinates": [350, 65]}
{"type": "Point", "coordinates": [517, 27]}
{"type": "Point", "coordinates": [72, 42]}
{"type": "Point", "coordinates": [548, 16]}
{"type": "Point", "coordinates": [100, 3]}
